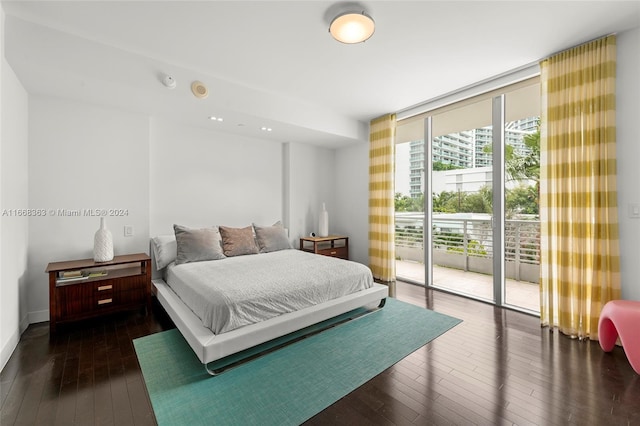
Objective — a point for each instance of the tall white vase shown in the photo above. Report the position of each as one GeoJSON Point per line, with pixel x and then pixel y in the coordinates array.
{"type": "Point", "coordinates": [323, 225]}
{"type": "Point", "coordinates": [102, 244]}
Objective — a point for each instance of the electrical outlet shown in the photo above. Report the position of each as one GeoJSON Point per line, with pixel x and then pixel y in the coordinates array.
{"type": "Point", "coordinates": [128, 230]}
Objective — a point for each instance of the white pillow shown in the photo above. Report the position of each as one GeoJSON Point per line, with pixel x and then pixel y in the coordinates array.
{"type": "Point", "coordinates": [165, 250]}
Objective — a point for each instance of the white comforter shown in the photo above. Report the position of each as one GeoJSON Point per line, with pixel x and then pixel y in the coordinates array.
{"type": "Point", "coordinates": [237, 291]}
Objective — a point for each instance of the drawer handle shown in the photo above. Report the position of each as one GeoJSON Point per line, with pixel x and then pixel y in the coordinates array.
{"type": "Point", "coordinates": [104, 301]}
{"type": "Point", "coordinates": [333, 252]}
{"type": "Point", "coordinates": [105, 287]}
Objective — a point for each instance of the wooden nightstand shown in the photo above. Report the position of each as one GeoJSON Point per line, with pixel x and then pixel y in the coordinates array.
{"type": "Point", "coordinates": [100, 288]}
{"type": "Point", "coordinates": [333, 245]}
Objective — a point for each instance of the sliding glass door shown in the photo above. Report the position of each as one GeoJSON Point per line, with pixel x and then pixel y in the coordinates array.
{"type": "Point", "coordinates": [473, 170]}
{"type": "Point", "coordinates": [461, 184]}
{"type": "Point", "coordinates": [522, 193]}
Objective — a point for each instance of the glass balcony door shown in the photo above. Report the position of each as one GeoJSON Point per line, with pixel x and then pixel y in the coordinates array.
{"type": "Point", "coordinates": [522, 188]}
{"type": "Point", "coordinates": [409, 202]}
{"type": "Point", "coordinates": [460, 181]}
{"type": "Point", "coordinates": [481, 224]}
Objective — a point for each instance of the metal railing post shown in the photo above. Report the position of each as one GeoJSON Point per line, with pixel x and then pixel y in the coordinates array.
{"type": "Point", "coordinates": [517, 259]}
{"type": "Point", "coordinates": [465, 245]}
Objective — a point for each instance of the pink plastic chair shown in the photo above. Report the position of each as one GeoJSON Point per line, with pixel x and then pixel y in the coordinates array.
{"type": "Point", "coordinates": [621, 317]}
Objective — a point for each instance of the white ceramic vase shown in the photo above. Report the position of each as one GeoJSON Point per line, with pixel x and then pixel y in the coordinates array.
{"type": "Point", "coordinates": [323, 223]}
{"type": "Point", "coordinates": [102, 244]}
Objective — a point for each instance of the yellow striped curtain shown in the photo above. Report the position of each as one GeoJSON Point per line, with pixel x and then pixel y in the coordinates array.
{"type": "Point", "coordinates": [381, 198]}
{"type": "Point", "coordinates": [580, 260]}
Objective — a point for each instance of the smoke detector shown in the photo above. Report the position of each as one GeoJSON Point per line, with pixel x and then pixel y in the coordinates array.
{"type": "Point", "coordinates": [199, 89]}
{"type": "Point", "coordinates": [169, 81]}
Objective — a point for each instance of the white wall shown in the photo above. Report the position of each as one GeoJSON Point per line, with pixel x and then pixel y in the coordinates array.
{"type": "Point", "coordinates": [202, 178]}
{"type": "Point", "coordinates": [311, 174]}
{"type": "Point", "coordinates": [352, 199]}
{"type": "Point", "coordinates": [628, 154]}
{"type": "Point", "coordinates": [14, 230]}
{"type": "Point", "coordinates": [83, 157]}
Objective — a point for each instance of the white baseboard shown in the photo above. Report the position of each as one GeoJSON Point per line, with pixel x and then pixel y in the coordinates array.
{"type": "Point", "coordinates": [38, 316]}
{"type": "Point", "coordinates": [12, 343]}
{"type": "Point", "coordinates": [8, 349]}
{"type": "Point", "coordinates": [24, 324]}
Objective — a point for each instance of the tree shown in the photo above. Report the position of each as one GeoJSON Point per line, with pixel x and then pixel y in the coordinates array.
{"type": "Point", "coordinates": [401, 202]}
{"type": "Point", "coordinates": [404, 203]}
{"type": "Point", "coordinates": [522, 200]}
{"type": "Point", "coordinates": [442, 202]}
{"type": "Point", "coordinates": [527, 166]}
{"type": "Point", "coordinates": [439, 166]}
{"type": "Point", "coordinates": [463, 202]}
{"type": "Point", "coordinates": [477, 202]}
{"type": "Point", "coordinates": [523, 167]}
{"type": "Point", "coordinates": [418, 203]}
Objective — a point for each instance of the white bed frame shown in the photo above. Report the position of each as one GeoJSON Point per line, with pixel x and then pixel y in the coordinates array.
{"type": "Point", "coordinates": [210, 347]}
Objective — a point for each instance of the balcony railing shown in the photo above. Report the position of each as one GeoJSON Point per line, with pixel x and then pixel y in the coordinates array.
{"type": "Point", "coordinates": [467, 244]}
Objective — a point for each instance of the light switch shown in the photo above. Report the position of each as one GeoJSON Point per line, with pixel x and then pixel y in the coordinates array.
{"type": "Point", "coordinates": [634, 210]}
{"type": "Point", "coordinates": [128, 230]}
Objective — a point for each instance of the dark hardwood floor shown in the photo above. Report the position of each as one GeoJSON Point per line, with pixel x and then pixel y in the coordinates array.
{"type": "Point", "coordinates": [497, 367]}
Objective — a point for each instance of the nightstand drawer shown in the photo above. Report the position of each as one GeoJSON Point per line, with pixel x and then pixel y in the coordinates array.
{"type": "Point", "coordinates": [341, 252]}
{"type": "Point", "coordinates": [104, 294]}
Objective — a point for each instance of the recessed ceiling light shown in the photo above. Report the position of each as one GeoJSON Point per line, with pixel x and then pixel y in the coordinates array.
{"type": "Point", "coordinates": [267, 129]}
{"type": "Point", "coordinates": [212, 118]}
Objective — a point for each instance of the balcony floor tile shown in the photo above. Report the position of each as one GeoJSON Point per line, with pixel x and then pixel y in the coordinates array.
{"type": "Point", "coordinates": [518, 293]}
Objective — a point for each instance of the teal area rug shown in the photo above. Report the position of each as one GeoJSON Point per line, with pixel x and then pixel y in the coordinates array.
{"type": "Point", "coordinates": [288, 385]}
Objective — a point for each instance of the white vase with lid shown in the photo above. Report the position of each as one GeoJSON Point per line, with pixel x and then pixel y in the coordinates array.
{"type": "Point", "coordinates": [102, 244]}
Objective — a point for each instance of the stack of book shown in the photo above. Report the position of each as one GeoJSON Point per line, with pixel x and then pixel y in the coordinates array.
{"type": "Point", "coordinates": [94, 274]}
{"type": "Point", "coordinates": [69, 276]}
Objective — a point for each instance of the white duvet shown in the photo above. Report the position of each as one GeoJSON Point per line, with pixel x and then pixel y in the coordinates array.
{"type": "Point", "coordinates": [230, 293]}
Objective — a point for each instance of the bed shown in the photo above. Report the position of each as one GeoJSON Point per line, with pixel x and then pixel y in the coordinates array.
{"type": "Point", "coordinates": [229, 304]}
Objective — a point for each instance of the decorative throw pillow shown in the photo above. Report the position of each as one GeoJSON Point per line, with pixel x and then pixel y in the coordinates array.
{"type": "Point", "coordinates": [164, 250]}
{"type": "Point", "coordinates": [238, 241]}
{"type": "Point", "coordinates": [271, 238]}
{"type": "Point", "coordinates": [195, 245]}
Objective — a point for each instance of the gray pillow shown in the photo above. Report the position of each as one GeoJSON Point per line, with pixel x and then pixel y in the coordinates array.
{"type": "Point", "coordinates": [238, 241]}
{"type": "Point", "coordinates": [195, 245]}
{"type": "Point", "coordinates": [271, 238]}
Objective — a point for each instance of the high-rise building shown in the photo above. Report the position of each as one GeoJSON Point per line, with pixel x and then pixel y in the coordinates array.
{"type": "Point", "coordinates": [466, 149]}
{"type": "Point", "coordinates": [416, 168]}
{"type": "Point", "coordinates": [455, 149]}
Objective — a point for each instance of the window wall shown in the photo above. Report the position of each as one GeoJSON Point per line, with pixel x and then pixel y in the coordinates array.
{"type": "Point", "coordinates": [454, 165]}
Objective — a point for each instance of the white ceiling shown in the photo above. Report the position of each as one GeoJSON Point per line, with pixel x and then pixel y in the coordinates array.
{"type": "Point", "coordinates": [274, 64]}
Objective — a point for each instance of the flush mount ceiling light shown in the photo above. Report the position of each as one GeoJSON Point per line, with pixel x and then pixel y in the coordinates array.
{"type": "Point", "coordinates": [352, 27]}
